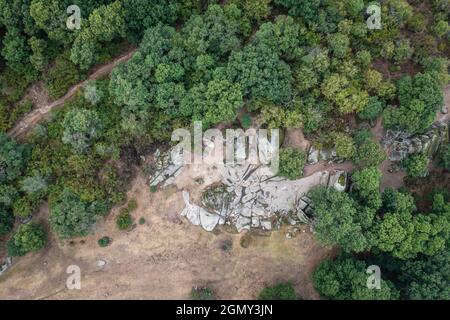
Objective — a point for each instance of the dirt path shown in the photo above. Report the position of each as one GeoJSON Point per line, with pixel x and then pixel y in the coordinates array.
{"type": "Point", "coordinates": [164, 258]}
{"type": "Point", "coordinates": [42, 108]}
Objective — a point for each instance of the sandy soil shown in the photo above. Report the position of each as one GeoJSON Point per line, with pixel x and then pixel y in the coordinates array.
{"type": "Point", "coordinates": [164, 258]}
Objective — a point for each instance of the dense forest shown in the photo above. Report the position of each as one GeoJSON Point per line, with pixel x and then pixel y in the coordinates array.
{"type": "Point", "coordinates": [290, 64]}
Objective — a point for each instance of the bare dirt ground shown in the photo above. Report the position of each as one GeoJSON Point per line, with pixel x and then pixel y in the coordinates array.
{"type": "Point", "coordinates": [41, 102]}
{"type": "Point", "coordinates": [164, 259]}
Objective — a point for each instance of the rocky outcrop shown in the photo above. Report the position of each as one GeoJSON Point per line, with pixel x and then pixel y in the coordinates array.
{"type": "Point", "coordinates": [166, 168]}
{"type": "Point", "coordinates": [327, 155]}
{"type": "Point", "coordinates": [401, 144]}
{"type": "Point", "coordinates": [5, 265]}
{"type": "Point", "coordinates": [249, 198]}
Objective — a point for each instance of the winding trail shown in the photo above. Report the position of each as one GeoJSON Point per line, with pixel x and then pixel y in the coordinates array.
{"type": "Point", "coordinates": [25, 124]}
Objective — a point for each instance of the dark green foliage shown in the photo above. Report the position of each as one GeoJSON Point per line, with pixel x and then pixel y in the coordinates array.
{"type": "Point", "coordinates": [61, 76]}
{"type": "Point", "coordinates": [143, 14]}
{"type": "Point", "coordinates": [427, 278]}
{"type": "Point", "coordinates": [6, 221]}
{"type": "Point", "coordinates": [29, 237]}
{"type": "Point", "coordinates": [104, 242]}
{"type": "Point", "coordinates": [339, 221]}
{"type": "Point", "coordinates": [261, 74]}
{"type": "Point", "coordinates": [373, 108]}
{"type": "Point", "coordinates": [346, 279]}
{"type": "Point", "coordinates": [13, 158]}
{"type": "Point", "coordinates": [419, 98]}
{"type": "Point", "coordinates": [141, 221]}
{"type": "Point", "coordinates": [72, 217]}
{"type": "Point", "coordinates": [202, 293]}
{"type": "Point", "coordinates": [246, 121]}
{"type": "Point", "coordinates": [292, 162]}
{"type": "Point", "coordinates": [280, 291]}
{"type": "Point", "coordinates": [444, 156]}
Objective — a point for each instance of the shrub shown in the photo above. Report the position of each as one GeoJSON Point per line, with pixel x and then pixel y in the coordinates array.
{"type": "Point", "coordinates": [153, 189]}
{"type": "Point", "coordinates": [124, 220]}
{"type": "Point", "coordinates": [281, 291]}
{"type": "Point", "coordinates": [132, 205]}
{"type": "Point", "coordinates": [368, 154]}
{"type": "Point", "coordinates": [29, 237]}
{"type": "Point", "coordinates": [202, 293]}
{"type": "Point", "coordinates": [104, 242]}
{"type": "Point", "coordinates": [292, 162]}
{"type": "Point", "coordinates": [141, 221]}
{"type": "Point", "coordinates": [22, 208]}
{"type": "Point", "coordinates": [246, 121]}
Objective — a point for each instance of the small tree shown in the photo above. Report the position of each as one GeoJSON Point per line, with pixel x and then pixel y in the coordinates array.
{"type": "Point", "coordinates": [292, 162]}
{"type": "Point", "coordinates": [416, 165]}
{"type": "Point", "coordinates": [29, 237]}
{"type": "Point", "coordinates": [104, 242]}
{"type": "Point", "coordinates": [124, 220]}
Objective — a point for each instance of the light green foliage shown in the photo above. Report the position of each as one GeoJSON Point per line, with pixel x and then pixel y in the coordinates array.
{"type": "Point", "coordinates": [347, 98]}
{"type": "Point", "coordinates": [369, 153]}
{"type": "Point", "coordinates": [22, 207]}
{"type": "Point", "coordinates": [403, 51]}
{"type": "Point", "coordinates": [124, 220]}
{"type": "Point", "coordinates": [339, 44]}
{"type": "Point", "coordinates": [354, 7]}
{"type": "Point", "coordinates": [345, 147]}
{"type": "Point", "coordinates": [405, 235]}
{"type": "Point", "coordinates": [364, 57]}
{"type": "Point", "coordinates": [292, 162]}
{"type": "Point", "coordinates": [416, 165]}
{"type": "Point", "coordinates": [441, 28]}
{"type": "Point", "coordinates": [366, 183]}
{"type": "Point", "coordinates": [29, 237]}
{"type": "Point", "coordinates": [372, 79]}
